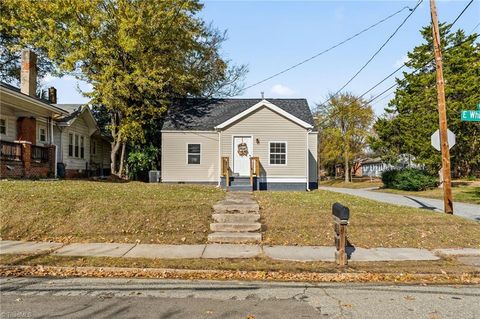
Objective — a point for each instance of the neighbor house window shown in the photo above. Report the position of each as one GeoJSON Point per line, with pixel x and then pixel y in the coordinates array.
{"type": "Point", "coordinates": [82, 147]}
{"type": "Point", "coordinates": [94, 148]}
{"type": "Point", "coordinates": [76, 145]}
{"type": "Point", "coordinates": [42, 133]}
{"type": "Point", "coordinates": [3, 126]}
{"type": "Point", "coordinates": [70, 144]}
{"type": "Point", "coordinates": [193, 153]}
{"type": "Point", "coordinates": [278, 153]}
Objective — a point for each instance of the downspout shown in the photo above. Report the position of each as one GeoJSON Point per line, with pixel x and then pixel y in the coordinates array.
{"type": "Point", "coordinates": [308, 163]}
{"type": "Point", "coordinates": [219, 159]}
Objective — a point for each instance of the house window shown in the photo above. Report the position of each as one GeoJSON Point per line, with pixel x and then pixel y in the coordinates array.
{"type": "Point", "coordinates": [42, 133]}
{"type": "Point", "coordinates": [278, 153]}
{"type": "Point", "coordinates": [76, 145]}
{"type": "Point", "coordinates": [70, 144]}
{"type": "Point", "coordinates": [94, 147]}
{"type": "Point", "coordinates": [193, 153]}
{"type": "Point", "coordinates": [82, 147]}
{"type": "Point", "coordinates": [3, 126]}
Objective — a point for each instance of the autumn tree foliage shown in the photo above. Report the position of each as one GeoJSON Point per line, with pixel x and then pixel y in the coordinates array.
{"type": "Point", "coordinates": [344, 123]}
{"type": "Point", "coordinates": [137, 55]}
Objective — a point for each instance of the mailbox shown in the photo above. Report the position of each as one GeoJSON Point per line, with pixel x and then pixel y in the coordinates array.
{"type": "Point", "coordinates": [341, 215]}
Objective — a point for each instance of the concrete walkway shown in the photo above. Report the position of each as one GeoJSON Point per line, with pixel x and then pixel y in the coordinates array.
{"type": "Point", "coordinates": [210, 251]}
{"type": "Point", "coordinates": [470, 211]}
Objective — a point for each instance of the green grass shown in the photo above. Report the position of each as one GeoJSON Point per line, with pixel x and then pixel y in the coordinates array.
{"type": "Point", "coordinates": [87, 211]}
{"type": "Point", "coordinates": [466, 194]}
{"type": "Point", "coordinates": [304, 218]}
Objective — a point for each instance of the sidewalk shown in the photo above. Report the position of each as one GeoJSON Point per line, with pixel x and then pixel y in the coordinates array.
{"type": "Point", "coordinates": [470, 211]}
{"type": "Point", "coordinates": [209, 251]}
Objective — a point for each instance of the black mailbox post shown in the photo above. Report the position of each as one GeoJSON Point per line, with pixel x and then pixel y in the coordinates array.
{"type": "Point", "coordinates": [341, 214]}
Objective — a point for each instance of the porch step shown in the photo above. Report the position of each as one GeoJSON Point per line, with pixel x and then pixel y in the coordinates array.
{"type": "Point", "coordinates": [234, 237]}
{"type": "Point", "coordinates": [236, 218]}
{"type": "Point", "coordinates": [237, 187]}
{"type": "Point", "coordinates": [240, 181]}
{"type": "Point", "coordinates": [235, 227]}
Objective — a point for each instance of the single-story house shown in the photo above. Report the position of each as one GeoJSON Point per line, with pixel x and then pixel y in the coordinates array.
{"type": "Point", "coordinates": [264, 144]}
{"type": "Point", "coordinates": [40, 138]}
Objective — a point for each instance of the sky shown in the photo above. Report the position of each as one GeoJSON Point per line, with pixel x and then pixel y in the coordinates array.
{"type": "Point", "coordinates": [270, 36]}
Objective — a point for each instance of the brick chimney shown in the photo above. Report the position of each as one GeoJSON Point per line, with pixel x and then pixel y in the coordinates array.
{"type": "Point", "coordinates": [28, 77]}
{"type": "Point", "coordinates": [52, 95]}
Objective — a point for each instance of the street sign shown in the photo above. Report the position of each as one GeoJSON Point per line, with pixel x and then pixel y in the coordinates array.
{"type": "Point", "coordinates": [471, 116]}
{"type": "Point", "coordinates": [435, 139]}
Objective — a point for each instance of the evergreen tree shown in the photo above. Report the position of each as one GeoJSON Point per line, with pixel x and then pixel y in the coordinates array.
{"type": "Point", "coordinates": [412, 116]}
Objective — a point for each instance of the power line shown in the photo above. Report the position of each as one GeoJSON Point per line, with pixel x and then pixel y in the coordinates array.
{"type": "Point", "coordinates": [402, 66]}
{"type": "Point", "coordinates": [461, 13]}
{"type": "Point", "coordinates": [327, 50]}
{"type": "Point", "coordinates": [376, 53]}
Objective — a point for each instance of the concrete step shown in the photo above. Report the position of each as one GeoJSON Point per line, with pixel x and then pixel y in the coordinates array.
{"type": "Point", "coordinates": [236, 218]}
{"type": "Point", "coordinates": [235, 227]}
{"type": "Point", "coordinates": [240, 188]}
{"type": "Point", "coordinates": [222, 208]}
{"type": "Point", "coordinates": [231, 237]}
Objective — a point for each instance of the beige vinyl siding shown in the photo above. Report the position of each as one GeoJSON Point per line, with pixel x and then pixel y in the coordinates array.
{"type": "Point", "coordinates": [8, 115]}
{"type": "Point", "coordinates": [268, 126]}
{"type": "Point", "coordinates": [312, 162]}
{"type": "Point", "coordinates": [174, 157]}
{"type": "Point", "coordinates": [71, 162]}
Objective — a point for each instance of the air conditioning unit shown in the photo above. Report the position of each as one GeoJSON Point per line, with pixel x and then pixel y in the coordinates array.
{"type": "Point", "coordinates": [154, 176]}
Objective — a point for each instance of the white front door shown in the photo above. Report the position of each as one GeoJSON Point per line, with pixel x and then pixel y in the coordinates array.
{"type": "Point", "coordinates": [242, 151]}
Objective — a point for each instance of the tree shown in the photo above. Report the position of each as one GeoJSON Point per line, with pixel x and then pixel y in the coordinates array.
{"type": "Point", "coordinates": [412, 115]}
{"type": "Point", "coordinates": [137, 55]}
{"type": "Point", "coordinates": [344, 125]}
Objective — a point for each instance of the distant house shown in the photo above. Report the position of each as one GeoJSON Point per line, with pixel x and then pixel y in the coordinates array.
{"type": "Point", "coordinates": [40, 138]}
{"type": "Point", "coordinates": [241, 144]}
{"type": "Point", "coordinates": [374, 167]}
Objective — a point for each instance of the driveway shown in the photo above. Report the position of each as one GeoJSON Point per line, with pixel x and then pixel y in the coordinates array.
{"type": "Point", "coordinates": [470, 211]}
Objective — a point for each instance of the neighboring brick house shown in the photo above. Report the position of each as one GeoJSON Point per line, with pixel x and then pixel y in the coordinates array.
{"type": "Point", "coordinates": [39, 138]}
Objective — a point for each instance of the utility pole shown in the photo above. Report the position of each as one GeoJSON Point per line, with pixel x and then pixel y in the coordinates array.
{"type": "Point", "coordinates": [442, 113]}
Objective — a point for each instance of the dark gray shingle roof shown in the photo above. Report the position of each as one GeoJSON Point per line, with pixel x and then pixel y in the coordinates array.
{"type": "Point", "coordinates": [205, 114]}
{"type": "Point", "coordinates": [74, 109]}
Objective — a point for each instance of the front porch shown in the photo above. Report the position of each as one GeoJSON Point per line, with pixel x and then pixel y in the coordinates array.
{"type": "Point", "coordinates": [232, 181]}
{"type": "Point", "coordinates": [21, 159]}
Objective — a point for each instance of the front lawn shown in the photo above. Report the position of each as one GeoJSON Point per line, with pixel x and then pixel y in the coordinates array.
{"type": "Point", "coordinates": [304, 218]}
{"type": "Point", "coordinates": [88, 211]}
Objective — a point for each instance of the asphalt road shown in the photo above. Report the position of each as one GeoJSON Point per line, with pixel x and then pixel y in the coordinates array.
{"type": "Point", "coordinates": [138, 298]}
{"type": "Point", "coordinates": [470, 211]}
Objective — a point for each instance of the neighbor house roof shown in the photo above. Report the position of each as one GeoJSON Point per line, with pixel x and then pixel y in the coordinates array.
{"type": "Point", "coordinates": [206, 114]}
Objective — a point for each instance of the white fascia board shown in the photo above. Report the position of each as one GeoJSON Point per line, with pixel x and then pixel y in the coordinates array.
{"type": "Point", "coordinates": [269, 105]}
{"type": "Point", "coordinates": [33, 100]}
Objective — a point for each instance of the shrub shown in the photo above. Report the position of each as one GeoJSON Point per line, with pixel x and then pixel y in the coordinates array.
{"type": "Point", "coordinates": [140, 161]}
{"type": "Point", "coordinates": [408, 179]}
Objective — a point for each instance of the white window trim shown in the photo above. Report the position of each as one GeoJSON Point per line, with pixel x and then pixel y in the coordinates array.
{"type": "Point", "coordinates": [201, 148]}
{"type": "Point", "coordinates": [6, 125]}
{"type": "Point", "coordinates": [42, 127]}
{"type": "Point", "coordinates": [286, 153]}
{"type": "Point", "coordinates": [73, 145]}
